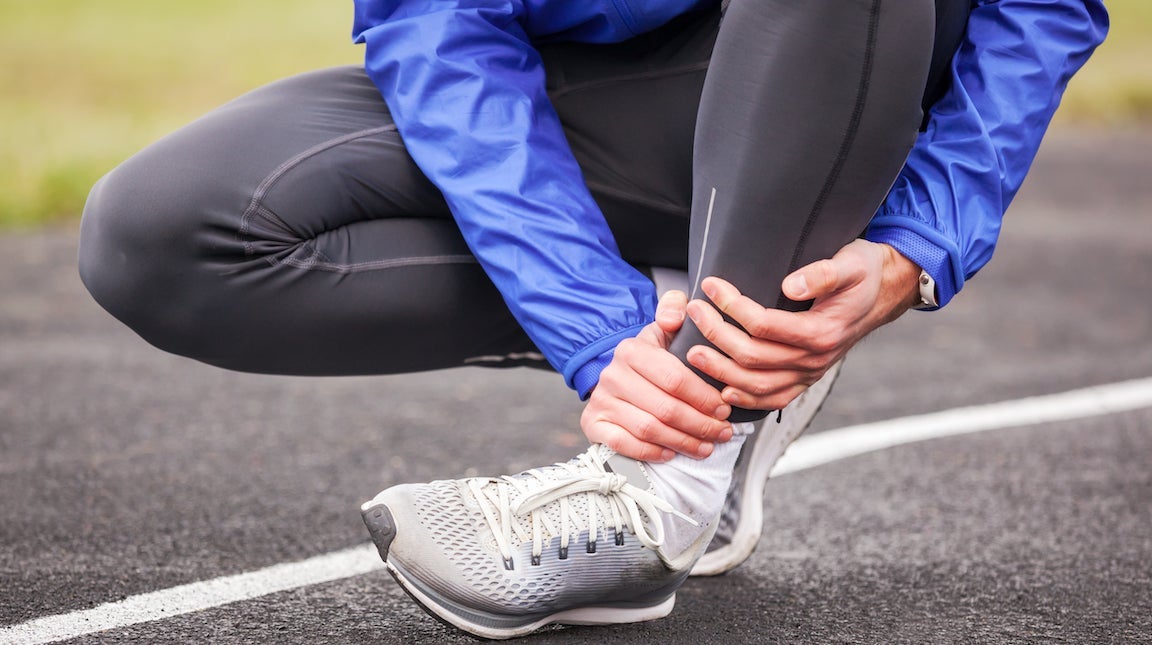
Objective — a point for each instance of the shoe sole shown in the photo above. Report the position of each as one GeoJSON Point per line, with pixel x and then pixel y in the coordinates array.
{"type": "Point", "coordinates": [765, 453]}
{"type": "Point", "coordinates": [383, 529]}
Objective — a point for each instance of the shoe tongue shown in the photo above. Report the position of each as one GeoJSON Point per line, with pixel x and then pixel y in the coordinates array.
{"type": "Point", "coordinates": [630, 468]}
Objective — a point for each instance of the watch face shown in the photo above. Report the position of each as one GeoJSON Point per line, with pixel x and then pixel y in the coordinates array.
{"type": "Point", "coordinates": [927, 290]}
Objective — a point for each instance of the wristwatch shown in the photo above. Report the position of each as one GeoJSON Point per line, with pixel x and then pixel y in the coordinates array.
{"type": "Point", "coordinates": [927, 291]}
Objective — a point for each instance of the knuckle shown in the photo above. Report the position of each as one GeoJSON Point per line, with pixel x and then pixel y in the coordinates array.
{"type": "Point", "coordinates": [826, 340]}
{"type": "Point", "coordinates": [645, 428]}
{"type": "Point", "coordinates": [827, 271]}
{"type": "Point", "coordinates": [761, 388]}
{"type": "Point", "coordinates": [745, 356]}
{"type": "Point", "coordinates": [812, 362]}
{"type": "Point", "coordinates": [627, 348]}
{"type": "Point", "coordinates": [665, 410]}
{"type": "Point", "coordinates": [609, 379]}
{"type": "Point", "coordinates": [647, 452]}
{"type": "Point", "coordinates": [686, 444]}
{"type": "Point", "coordinates": [758, 327]}
{"type": "Point", "coordinates": [717, 369]}
{"type": "Point", "coordinates": [672, 381]}
{"type": "Point", "coordinates": [713, 430]}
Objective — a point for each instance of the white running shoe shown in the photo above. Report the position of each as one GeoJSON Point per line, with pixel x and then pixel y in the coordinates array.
{"type": "Point", "coordinates": [742, 520]}
{"type": "Point", "coordinates": [577, 543]}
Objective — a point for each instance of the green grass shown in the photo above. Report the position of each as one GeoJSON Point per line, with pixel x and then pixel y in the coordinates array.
{"type": "Point", "coordinates": [85, 83]}
{"type": "Point", "coordinates": [1115, 87]}
{"type": "Point", "coordinates": [88, 82]}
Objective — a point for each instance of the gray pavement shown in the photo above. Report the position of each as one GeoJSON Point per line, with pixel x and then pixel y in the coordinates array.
{"type": "Point", "coordinates": [125, 470]}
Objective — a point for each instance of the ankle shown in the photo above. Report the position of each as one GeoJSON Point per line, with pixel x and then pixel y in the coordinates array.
{"type": "Point", "coordinates": [697, 488]}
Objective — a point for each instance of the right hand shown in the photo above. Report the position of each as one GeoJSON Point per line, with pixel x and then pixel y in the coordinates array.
{"type": "Point", "coordinates": [648, 405]}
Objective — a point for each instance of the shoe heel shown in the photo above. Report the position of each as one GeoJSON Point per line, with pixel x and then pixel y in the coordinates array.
{"type": "Point", "coordinates": [381, 527]}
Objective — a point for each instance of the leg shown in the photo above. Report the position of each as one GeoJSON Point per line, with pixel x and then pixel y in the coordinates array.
{"type": "Point", "coordinates": [807, 114]}
{"type": "Point", "coordinates": [741, 521]}
{"type": "Point", "coordinates": [289, 232]}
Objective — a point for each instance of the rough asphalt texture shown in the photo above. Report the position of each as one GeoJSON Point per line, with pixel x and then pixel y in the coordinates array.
{"type": "Point", "coordinates": [125, 470]}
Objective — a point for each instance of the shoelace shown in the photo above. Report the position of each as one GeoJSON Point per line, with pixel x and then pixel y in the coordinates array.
{"type": "Point", "coordinates": [608, 495]}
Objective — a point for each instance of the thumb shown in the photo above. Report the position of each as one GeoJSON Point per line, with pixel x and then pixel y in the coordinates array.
{"type": "Point", "coordinates": [670, 312]}
{"type": "Point", "coordinates": [812, 281]}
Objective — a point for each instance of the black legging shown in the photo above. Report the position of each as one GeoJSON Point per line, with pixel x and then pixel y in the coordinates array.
{"type": "Point", "coordinates": [289, 232]}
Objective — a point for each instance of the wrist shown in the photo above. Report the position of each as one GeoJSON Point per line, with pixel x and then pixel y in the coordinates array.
{"type": "Point", "coordinates": [901, 281]}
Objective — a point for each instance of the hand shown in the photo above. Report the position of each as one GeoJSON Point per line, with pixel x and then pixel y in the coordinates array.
{"type": "Point", "coordinates": [648, 405]}
{"type": "Point", "coordinates": [863, 287]}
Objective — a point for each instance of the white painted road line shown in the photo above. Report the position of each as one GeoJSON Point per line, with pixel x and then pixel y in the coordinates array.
{"type": "Point", "coordinates": [814, 450]}
{"type": "Point", "coordinates": [185, 599]}
{"type": "Point", "coordinates": [807, 452]}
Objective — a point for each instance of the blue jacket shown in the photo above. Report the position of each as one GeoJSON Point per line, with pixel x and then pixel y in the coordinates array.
{"type": "Point", "coordinates": [466, 89]}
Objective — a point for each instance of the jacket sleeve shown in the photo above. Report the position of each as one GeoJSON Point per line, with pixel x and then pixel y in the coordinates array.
{"type": "Point", "coordinates": [945, 208]}
{"type": "Point", "coordinates": [465, 87]}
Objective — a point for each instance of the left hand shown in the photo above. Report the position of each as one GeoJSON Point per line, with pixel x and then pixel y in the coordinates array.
{"type": "Point", "coordinates": [648, 404]}
{"type": "Point", "coordinates": [864, 286]}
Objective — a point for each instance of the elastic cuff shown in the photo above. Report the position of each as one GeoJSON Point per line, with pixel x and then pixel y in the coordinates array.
{"type": "Point", "coordinates": [588, 376]}
{"type": "Point", "coordinates": [922, 247]}
{"type": "Point", "coordinates": [587, 363]}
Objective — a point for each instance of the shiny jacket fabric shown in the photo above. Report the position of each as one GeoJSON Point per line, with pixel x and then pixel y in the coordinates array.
{"type": "Point", "coordinates": [466, 89]}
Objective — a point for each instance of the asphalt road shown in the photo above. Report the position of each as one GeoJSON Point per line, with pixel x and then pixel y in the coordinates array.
{"type": "Point", "coordinates": [125, 470]}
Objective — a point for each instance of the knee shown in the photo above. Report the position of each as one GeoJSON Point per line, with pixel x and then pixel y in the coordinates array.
{"type": "Point", "coordinates": [135, 257]}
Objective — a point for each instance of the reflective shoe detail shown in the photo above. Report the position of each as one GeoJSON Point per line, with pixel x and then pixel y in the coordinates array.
{"type": "Point", "coordinates": [742, 520]}
{"type": "Point", "coordinates": [575, 543]}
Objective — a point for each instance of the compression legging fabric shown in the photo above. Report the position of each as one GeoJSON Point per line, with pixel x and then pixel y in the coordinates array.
{"type": "Point", "coordinates": [768, 200]}
{"type": "Point", "coordinates": [289, 232]}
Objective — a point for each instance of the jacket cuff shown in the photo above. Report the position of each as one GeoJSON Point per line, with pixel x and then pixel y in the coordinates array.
{"type": "Point", "coordinates": [588, 376]}
{"type": "Point", "coordinates": [582, 372]}
{"type": "Point", "coordinates": [924, 246]}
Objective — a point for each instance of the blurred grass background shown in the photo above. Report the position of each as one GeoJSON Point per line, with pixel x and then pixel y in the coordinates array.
{"type": "Point", "coordinates": [86, 83]}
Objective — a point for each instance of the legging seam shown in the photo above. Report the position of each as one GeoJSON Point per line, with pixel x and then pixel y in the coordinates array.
{"type": "Point", "coordinates": [262, 190]}
{"type": "Point", "coordinates": [845, 144]}
{"type": "Point", "coordinates": [375, 265]}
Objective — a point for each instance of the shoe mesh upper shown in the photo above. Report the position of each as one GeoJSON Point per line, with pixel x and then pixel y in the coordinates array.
{"type": "Point", "coordinates": [456, 530]}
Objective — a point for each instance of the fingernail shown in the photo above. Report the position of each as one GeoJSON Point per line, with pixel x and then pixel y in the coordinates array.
{"type": "Point", "coordinates": [798, 285]}
{"type": "Point", "coordinates": [666, 455]}
{"type": "Point", "coordinates": [732, 398]}
{"type": "Point", "coordinates": [705, 449]}
{"type": "Point", "coordinates": [725, 434]}
{"type": "Point", "coordinates": [722, 411]}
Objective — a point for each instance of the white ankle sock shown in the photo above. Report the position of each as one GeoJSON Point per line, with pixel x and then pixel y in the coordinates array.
{"type": "Point", "coordinates": [696, 487]}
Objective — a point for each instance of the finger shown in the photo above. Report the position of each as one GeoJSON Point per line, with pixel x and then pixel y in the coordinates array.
{"type": "Point", "coordinates": [648, 429]}
{"type": "Point", "coordinates": [758, 384]}
{"type": "Point", "coordinates": [659, 417]}
{"type": "Point", "coordinates": [798, 329]}
{"type": "Point", "coordinates": [812, 281]}
{"type": "Point", "coordinates": [664, 371]}
{"type": "Point", "coordinates": [623, 442]}
{"type": "Point", "coordinates": [755, 353]}
{"type": "Point", "coordinates": [670, 312]}
{"type": "Point", "coordinates": [825, 277]}
{"type": "Point", "coordinates": [810, 330]}
{"type": "Point", "coordinates": [728, 299]}
{"type": "Point", "coordinates": [775, 401]}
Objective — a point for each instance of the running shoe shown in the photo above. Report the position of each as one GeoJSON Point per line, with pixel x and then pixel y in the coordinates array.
{"type": "Point", "coordinates": [742, 520]}
{"type": "Point", "coordinates": [577, 543]}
